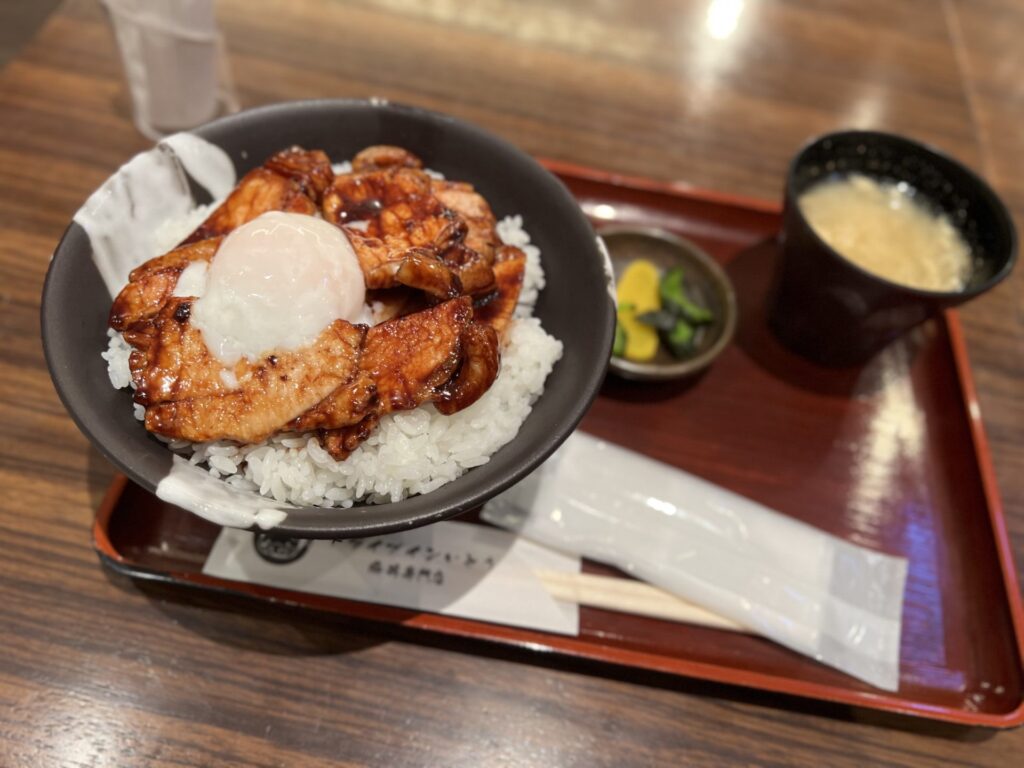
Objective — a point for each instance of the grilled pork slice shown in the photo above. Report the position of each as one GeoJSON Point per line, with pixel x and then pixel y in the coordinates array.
{"type": "Point", "coordinates": [411, 358]}
{"type": "Point", "coordinates": [472, 208]}
{"type": "Point", "coordinates": [397, 228]}
{"type": "Point", "coordinates": [457, 196]}
{"type": "Point", "coordinates": [188, 394]}
{"type": "Point", "coordinates": [509, 270]}
{"type": "Point", "coordinates": [480, 363]}
{"type": "Point", "coordinates": [394, 201]}
{"type": "Point", "coordinates": [381, 156]}
{"type": "Point", "coordinates": [403, 213]}
{"type": "Point", "coordinates": [292, 181]}
{"type": "Point", "coordinates": [472, 259]}
{"type": "Point", "coordinates": [391, 263]}
{"type": "Point", "coordinates": [439, 355]}
{"type": "Point", "coordinates": [151, 284]}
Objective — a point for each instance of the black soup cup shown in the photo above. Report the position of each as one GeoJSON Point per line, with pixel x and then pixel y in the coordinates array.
{"type": "Point", "coordinates": [830, 310]}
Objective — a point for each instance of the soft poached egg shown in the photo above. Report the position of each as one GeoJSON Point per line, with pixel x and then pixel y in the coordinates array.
{"type": "Point", "coordinates": [275, 284]}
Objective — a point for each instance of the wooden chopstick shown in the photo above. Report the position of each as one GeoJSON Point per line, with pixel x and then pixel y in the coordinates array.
{"type": "Point", "coordinates": [628, 596]}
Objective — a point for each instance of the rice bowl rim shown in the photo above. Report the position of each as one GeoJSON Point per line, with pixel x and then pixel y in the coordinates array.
{"type": "Point", "coordinates": [585, 316]}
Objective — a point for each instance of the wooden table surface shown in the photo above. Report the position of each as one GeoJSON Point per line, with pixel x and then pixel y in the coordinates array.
{"type": "Point", "coordinates": [100, 671]}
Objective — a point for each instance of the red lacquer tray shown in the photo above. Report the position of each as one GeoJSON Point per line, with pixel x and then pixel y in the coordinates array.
{"type": "Point", "coordinates": [891, 456]}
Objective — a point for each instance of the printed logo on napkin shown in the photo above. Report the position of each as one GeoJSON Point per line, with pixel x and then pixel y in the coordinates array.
{"type": "Point", "coordinates": [457, 569]}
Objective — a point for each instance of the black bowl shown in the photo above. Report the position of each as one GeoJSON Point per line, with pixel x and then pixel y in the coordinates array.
{"type": "Point", "coordinates": [574, 307]}
{"type": "Point", "coordinates": [827, 308]}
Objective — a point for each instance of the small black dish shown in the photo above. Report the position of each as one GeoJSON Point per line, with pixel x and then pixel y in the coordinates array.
{"type": "Point", "coordinates": [575, 306]}
{"type": "Point", "coordinates": [707, 284]}
{"type": "Point", "coordinates": [832, 311]}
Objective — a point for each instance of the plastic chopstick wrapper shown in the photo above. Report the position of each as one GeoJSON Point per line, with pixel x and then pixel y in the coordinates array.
{"type": "Point", "coordinates": [834, 601]}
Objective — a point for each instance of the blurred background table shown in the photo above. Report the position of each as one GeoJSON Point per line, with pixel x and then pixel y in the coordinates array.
{"type": "Point", "coordinates": [98, 671]}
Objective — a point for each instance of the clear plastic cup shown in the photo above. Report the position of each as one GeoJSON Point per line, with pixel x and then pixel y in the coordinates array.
{"type": "Point", "coordinates": [175, 63]}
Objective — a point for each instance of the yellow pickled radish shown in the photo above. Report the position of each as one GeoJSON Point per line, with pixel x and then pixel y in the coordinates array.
{"type": "Point", "coordinates": [641, 339]}
{"type": "Point", "coordinates": [637, 293]}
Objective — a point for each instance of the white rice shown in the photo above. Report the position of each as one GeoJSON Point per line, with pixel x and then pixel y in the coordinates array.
{"type": "Point", "coordinates": [173, 231]}
{"type": "Point", "coordinates": [411, 452]}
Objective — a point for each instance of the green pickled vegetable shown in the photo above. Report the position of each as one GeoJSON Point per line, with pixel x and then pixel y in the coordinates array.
{"type": "Point", "coordinates": [679, 339]}
{"type": "Point", "coordinates": [673, 297]}
{"type": "Point", "coordinates": [619, 345]}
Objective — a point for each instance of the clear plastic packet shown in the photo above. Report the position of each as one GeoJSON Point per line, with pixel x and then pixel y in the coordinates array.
{"type": "Point", "coordinates": [834, 601]}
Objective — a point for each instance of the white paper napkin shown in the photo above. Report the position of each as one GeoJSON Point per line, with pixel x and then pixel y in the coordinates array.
{"type": "Point", "coordinates": [458, 569]}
